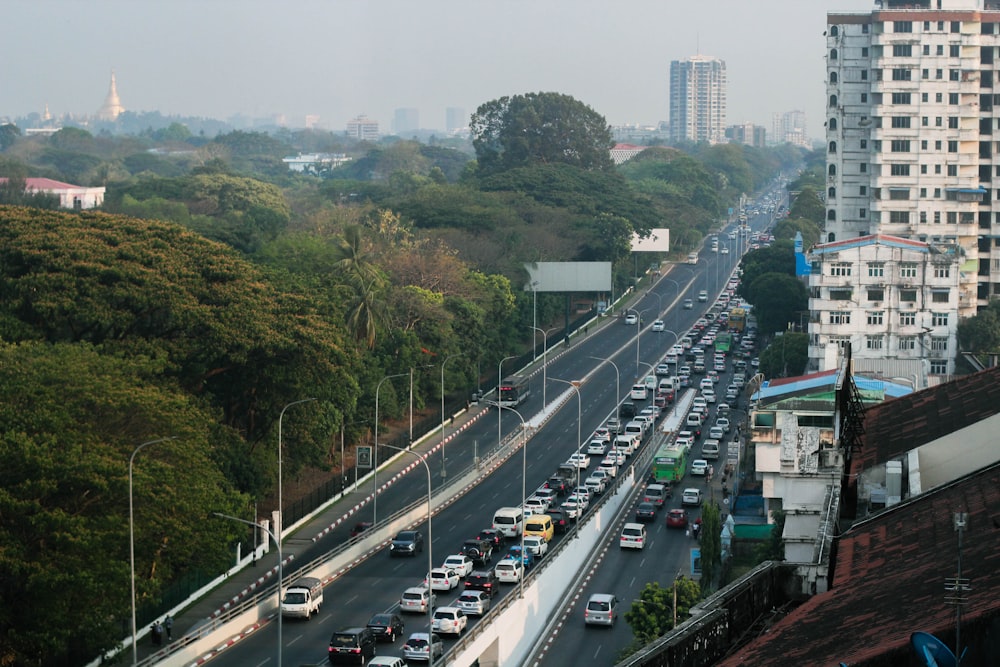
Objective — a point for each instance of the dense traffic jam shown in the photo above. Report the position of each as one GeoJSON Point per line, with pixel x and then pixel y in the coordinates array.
{"type": "Point", "coordinates": [722, 342]}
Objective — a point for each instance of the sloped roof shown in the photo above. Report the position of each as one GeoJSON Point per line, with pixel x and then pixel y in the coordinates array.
{"type": "Point", "coordinates": [45, 184]}
{"type": "Point", "coordinates": [895, 427]}
{"type": "Point", "coordinates": [889, 581]}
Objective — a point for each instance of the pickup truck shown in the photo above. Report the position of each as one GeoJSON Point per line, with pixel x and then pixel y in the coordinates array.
{"type": "Point", "coordinates": [303, 598]}
{"type": "Point", "coordinates": [558, 484]}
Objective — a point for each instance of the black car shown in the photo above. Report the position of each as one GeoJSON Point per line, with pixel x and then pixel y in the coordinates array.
{"type": "Point", "coordinates": [352, 646]}
{"type": "Point", "coordinates": [645, 512]}
{"type": "Point", "coordinates": [407, 543]}
{"type": "Point", "coordinates": [497, 538]}
{"type": "Point", "coordinates": [386, 627]}
{"type": "Point", "coordinates": [557, 484]}
{"type": "Point", "coordinates": [483, 580]}
{"type": "Point", "coordinates": [560, 524]}
{"type": "Point", "coordinates": [478, 550]}
{"type": "Point", "coordinates": [627, 411]}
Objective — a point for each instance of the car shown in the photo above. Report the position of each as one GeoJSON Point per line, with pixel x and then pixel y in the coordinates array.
{"type": "Point", "coordinates": [494, 535]}
{"type": "Point", "coordinates": [684, 439]}
{"type": "Point", "coordinates": [645, 512]}
{"type": "Point", "coordinates": [407, 543]}
{"type": "Point", "coordinates": [664, 368]}
{"type": "Point", "coordinates": [548, 495]}
{"type": "Point", "coordinates": [536, 505]}
{"type": "Point", "coordinates": [688, 304]}
{"type": "Point", "coordinates": [483, 580]}
{"type": "Point", "coordinates": [691, 497]}
{"type": "Point", "coordinates": [713, 375]}
{"type": "Point", "coordinates": [724, 250]}
{"type": "Point", "coordinates": [596, 484]}
{"type": "Point", "coordinates": [386, 627]}
{"type": "Point", "coordinates": [536, 545]}
{"type": "Point", "coordinates": [658, 325]}
{"type": "Point", "coordinates": [509, 571]}
{"type": "Point", "coordinates": [702, 296]}
{"type": "Point", "coordinates": [580, 460]}
{"type": "Point", "coordinates": [706, 383]}
{"type": "Point", "coordinates": [716, 432]}
{"type": "Point", "coordinates": [460, 563]}
{"type": "Point", "coordinates": [474, 603]}
{"type": "Point", "coordinates": [656, 494]}
{"type": "Point", "coordinates": [449, 620]}
{"type": "Point", "coordinates": [719, 367]}
{"type": "Point", "coordinates": [633, 536]}
{"type": "Point", "coordinates": [677, 518]}
{"type": "Point", "coordinates": [611, 462]}
{"type": "Point", "coordinates": [558, 484]}
{"type": "Point", "coordinates": [722, 408]}
{"type": "Point", "coordinates": [420, 645]}
{"type": "Point", "coordinates": [699, 467]}
{"type": "Point", "coordinates": [351, 645]}
{"type": "Point", "coordinates": [709, 395]}
{"type": "Point", "coordinates": [386, 661]}
{"type": "Point", "coordinates": [572, 509]}
{"type": "Point", "coordinates": [360, 527]}
{"type": "Point", "coordinates": [581, 498]}
{"type": "Point", "coordinates": [614, 425]}
{"type": "Point", "coordinates": [755, 362]}
{"type": "Point", "coordinates": [601, 609]}
{"type": "Point", "coordinates": [442, 579]}
{"type": "Point", "coordinates": [732, 393]}
{"type": "Point", "coordinates": [416, 600]}
{"type": "Point", "coordinates": [639, 392]}
{"type": "Point", "coordinates": [631, 319]}
{"type": "Point", "coordinates": [602, 433]}
{"type": "Point", "coordinates": [478, 550]}
{"type": "Point", "coordinates": [560, 522]}
{"type": "Point", "coordinates": [684, 380]}
{"type": "Point", "coordinates": [597, 447]}
{"type": "Point", "coordinates": [526, 557]}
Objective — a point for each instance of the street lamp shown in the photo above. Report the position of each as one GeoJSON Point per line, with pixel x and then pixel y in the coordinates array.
{"type": "Point", "coordinates": [638, 330]}
{"type": "Point", "coordinates": [545, 357]}
{"type": "Point", "coordinates": [500, 398]}
{"type": "Point", "coordinates": [618, 386]}
{"type": "Point", "coordinates": [378, 388]}
{"type": "Point", "coordinates": [131, 537]}
{"type": "Point", "coordinates": [524, 493]}
{"type": "Point", "coordinates": [281, 515]}
{"type": "Point", "coordinates": [534, 318]}
{"type": "Point", "coordinates": [430, 550]}
{"type": "Point", "coordinates": [443, 459]}
{"type": "Point", "coordinates": [579, 441]}
{"type": "Point", "coordinates": [277, 543]}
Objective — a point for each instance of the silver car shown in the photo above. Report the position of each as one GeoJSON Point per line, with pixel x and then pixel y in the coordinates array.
{"type": "Point", "coordinates": [602, 609]}
{"type": "Point", "coordinates": [419, 645]}
{"type": "Point", "coordinates": [474, 603]}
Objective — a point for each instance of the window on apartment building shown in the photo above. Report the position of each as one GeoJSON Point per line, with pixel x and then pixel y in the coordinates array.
{"type": "Point", "coordinates": [938, 121]}
{"type": "Point", "coordinates": [833, 146]}
{"type": "Point", "coordinates": [876, 294]}
{"type": "Point", "coordinates": [864, 31]}
{"type": "Point", "coordinates": [908, 295]}
{"type": "Point", "coordinates": [907, 270]}
{"type": "Point", "coordinates": [907, 318]}
{"type": "Point", "coordinates": [942, 271]}
{"type": "Point", "coordinates": [923, 214]}
{"type": "Point", "coordinates": [939, 319]}
{"type": "Point", "coordinates": [831, 193]}
{"type": "Point", "coordinates": [863, 190]}
{"type": "Point", "coordinates": [877, 145]}
{"type": "Point", "coordinates": [831, 215]}
{"type": "Point", "coordinates": [952, 148]}
{"type": "Point", "coordinates": [864, 98]}
{"type": "Point", "coordinates": [925, 73]}
{"type": "Point", "coordinates": [939, 367]}
{"type": "Point", "coordinates": [833, 54]}
{"type": "Point", "coordinates": [953, 75]}
{"type": "Point", "coordinates": [840, 295]}
{"type": "Point", "coordinates": [862, 213]}
{"type": "Point", "coordinates": [937, 214]}
{"type": "Point", "coordinates": [939, 343]}
{"type": "Point", "coordinates": [939, 74]}
{"type": "Point", "coordinates": [902, 50]}
{"type": "Point", "coordinates": [952, 98]}
{"type": "Point", "coordinates": [863, 168]}
{"type": "Point", "coordinates": [940, 295]}
{"type": "Point", "coordinates": [899, 217]}
{"type": "Point", "coordinates": [907, 343]}
{"type": "Point", "coordinates": [900, 121]}
{"type": "Point", "coordinates": [901, 75]}
{"type": "Point", "coordinates": [840, 317]}
{"type": "Point", "coordinates": [952, 217]}
{"type": "Point", "coordinates": [953, 122]}
{"type": "Point", "coordinates": [923, 167]}
{"type": "Point", "coordinates": [939, 50]}
{"type": "Point", "coordinates": [923, 122]}
{"type": "Point", "coordinates": [840, 341]}
{"type": "Point", "coordinates": [833, 123]}
{"type": "Point", "coordinates": [900, 98]}
{"type": "Point", "coordinates": [899, 193]}
{"type": "Point", "coordinates": [940, 26]}
{"type": "Point", "coordinates": [833, 77]}
{"type": "Point", "coordinates": [927, 49]}
{"type": "Point", "coordinates": [902, 26]}
{"type": "Point", "coordinates": [899, 170]}
{"type": "Point", "coordinates": [874, 317]}
{"type": "Point", "coordinates": [954, 51]}
{"type": "Point", "coordinates": [832, 170]}
{"type": "Point", "coordinates": [952, 170]}
{"type": "Point", "coordinates": [864, 74]}
{"type": "Point", "coordinates": [923, 97]}
{"type": "Point", "coordinates": [873, 342]}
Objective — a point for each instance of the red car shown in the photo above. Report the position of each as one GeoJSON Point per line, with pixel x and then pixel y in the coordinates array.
{"type": "Point", "coordinates": [360, 527]}
{"type": "Point", "coordinates": [677, 519]}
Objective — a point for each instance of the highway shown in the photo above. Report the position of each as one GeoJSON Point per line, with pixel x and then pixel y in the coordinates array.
{"type": "Point", "coordinates": [375, 584]}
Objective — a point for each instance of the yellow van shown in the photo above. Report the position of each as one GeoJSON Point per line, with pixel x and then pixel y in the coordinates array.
{"type": "Point", "coordinates": [540, 525]}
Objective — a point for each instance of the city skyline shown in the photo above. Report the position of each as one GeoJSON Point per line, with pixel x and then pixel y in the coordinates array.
{"type": "Point", "coordinates": [294, 61]}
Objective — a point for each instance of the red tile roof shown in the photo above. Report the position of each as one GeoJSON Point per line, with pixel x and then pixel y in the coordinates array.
{"type": "Point", "coordinates": [46, 184]}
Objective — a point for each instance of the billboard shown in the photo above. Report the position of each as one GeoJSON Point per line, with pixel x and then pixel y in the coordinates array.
{"type": "Point", "coordinates": [657, 241]}
{"type": "Point", "coordinates": [568, 277]}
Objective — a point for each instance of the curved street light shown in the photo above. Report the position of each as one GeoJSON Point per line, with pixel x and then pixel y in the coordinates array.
{"type": "Point", "coordinates": [524, 497]}
{"type": "Point", "coordinates": [618, 383]}
{"type": "Point", "coordinates": [638, 330]}
{"type": "Point", "coordinates": [378, 388]}
{"type": "Point", "coordinates": [545, 365]}
{"type": "Point", "coordinates": [447, 359]}
{"type": "Point", "coordinates": [131, 537]}
{"type": "Point", "coordinates": [499, 398]}
{"type": "Point", "coordinates": [575, 384]}
{"type": "Point", "coordinates": [281, 509]}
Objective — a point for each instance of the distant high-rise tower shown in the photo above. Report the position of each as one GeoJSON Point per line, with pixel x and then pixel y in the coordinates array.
{"type": "Point", "coordinates": [405, 120]}
{"type": "Point", "coordinates": [789, 127]}
{"type": "Point", "coordinates": [112, 107]}
{"type": "Point", "coordinates": [363, 128]}
{"type": "Point", "coordinates": [698, 99]}
{"type": "Point", "coordinates": [455, 119]}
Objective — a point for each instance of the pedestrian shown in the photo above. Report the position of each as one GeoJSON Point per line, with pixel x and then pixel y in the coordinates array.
{"type": "Point", "coordinates": [586, 329]}
{"type": "Point", "coordinates": [168, 623]}
{"type": "Point", "coordinates": [156, 633]}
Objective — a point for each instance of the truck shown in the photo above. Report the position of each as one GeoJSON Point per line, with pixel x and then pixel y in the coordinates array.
{"type": "Point", "coordinates": [303, 598]}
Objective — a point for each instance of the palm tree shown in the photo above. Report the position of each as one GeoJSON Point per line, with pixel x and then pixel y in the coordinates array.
{"type": "Point", "coordinates": [365, 278]}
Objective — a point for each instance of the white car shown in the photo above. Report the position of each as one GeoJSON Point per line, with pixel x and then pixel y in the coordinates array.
{"type": "Point", "coordinates": [706, 383]}
{"type": "Point", "coordinates": [684, 439]}
{"type": "Point", "coordinates": [709, 395]}
{"type": "Point", "coordinates": [536, 545]}
{"type": "Point", "coordinates": [536, 505]}
{"type": "Point", "coordinates": [509, 571]}
{"type": "Point", "coordinates": [631, 319]}
{"type": "Point", "coordinates": [580, 460]}
{"type": "Point", "coordinates": [416, 599]}
{"type": "Point", "coordinates": [658, 325]}
{"type": "Point", "coordinates": [582, 497]}
{"type": "Point", "coordinates": [443, 579]}
{"type": "Point", "coordinates": [460, 563]}
{"type": "Point", "coordinates": [602, 434]}
{"type": "Point", "coordinates": [572, 508]}
{"type": "Point", "coordinates": [475, 603]}
{"type": "Point", "coordinates": [639, 392]}
{"type": "Point", "coordinates": [597, 447]}
{"type": "Point", "coordinates": [596, 484]}
{"type": "Point", "coordinates": [449, 620]}
{"type": "Point", "coordinates": [724, 250]}
{"type": "Point", "coordinates": [699, 467]}
{"type": "Point", "coordinates": [722, 423]}
{"type": "Point", "coordinates": [691, 497]}
{"type": "Point", "coordinates": [610, 464]}
{"type": "Point", "coordinates": [547, 494]}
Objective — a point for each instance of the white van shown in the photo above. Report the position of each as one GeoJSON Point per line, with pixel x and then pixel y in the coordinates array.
{"type": "Point", "coordinates": [710, 449]}
{"type": "Point", "coordinates": [509, 521]}
{"type": "Point", "coordinates": [667, 385]}
{"type": "Point", "coordinates": [636, 429]}
{"type": "Point", "coordinates": [638, 392]}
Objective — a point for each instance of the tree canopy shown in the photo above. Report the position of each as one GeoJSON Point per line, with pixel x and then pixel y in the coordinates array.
{"type": "Point", "coordinates": [539, 128]}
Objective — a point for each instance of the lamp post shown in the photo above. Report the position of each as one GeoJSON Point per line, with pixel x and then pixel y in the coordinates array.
{"type": "Point", "coordinates": [131, 537]}
{"type": "Point", "coordinates": [545, 365]}
{"type": "Point", "coordinates": [499, 398]}
{"type": "Point", "coordinates": [281, 513]}
{"type": "Point", "coordinates": [524, 493]}
{"type": "Point", "coordinates": [676, 579]}
{"type": "Point", "coordinates": [638, 330]}
{"type": "Point", "coordinates": [378, 388]}
{"type": "Point", "coordinates": [579, 442]}
{"type": "Point", "coordinates": [618, 386]}
{"type": "Point", "coordinates": [277, 543]}
{"type": "Point", "coordinates": [534, 318]}
{"type": "Point", "coordinates": [430, 549]}
{"type": "Point", "coordinates": [443, 459]}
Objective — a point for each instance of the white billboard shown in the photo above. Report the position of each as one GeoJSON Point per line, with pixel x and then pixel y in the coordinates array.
{"type": "Point", "coordinates": [568, 277]}
{"type": "Point", "coordinates": [657, 241]}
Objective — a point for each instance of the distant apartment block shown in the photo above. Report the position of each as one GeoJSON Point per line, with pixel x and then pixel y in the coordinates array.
{"type": "Point", "coordinates": [405, 121]}
{"type": "Point", "coordinates": [748, 134]}
{"type": "Point", "coordinates": [315, 163]}
{"type": "Point", "coordinates": [789, 128]}
{"type": "Point", "coordinates": [630, 134]}
{"type": "Point", "coordinates": [363, 128]}
{"type": "Point", "coordinates": [455, 120]}
{"type": "Point", "coordinates": [70, 196]}
{"type": "Point", "coordinates": [698, 99]}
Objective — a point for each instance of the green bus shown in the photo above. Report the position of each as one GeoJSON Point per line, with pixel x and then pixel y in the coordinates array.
{"type": "Point", "coordinates": [669, 464]}
{"type": "Point", "coordinates": [723, 343]}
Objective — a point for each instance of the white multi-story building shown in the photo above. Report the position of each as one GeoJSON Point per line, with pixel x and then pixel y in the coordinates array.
{"type": "Point", "coordinates": [913, 131]}
{"type": "Point", "coordinates": [698, 99]}
{"type": "Point", "coordinates": [789, 127]}
{"type": "Point", "coordinates": [362, 127]}
{"type": "Point", "coordinates": [890, 298]}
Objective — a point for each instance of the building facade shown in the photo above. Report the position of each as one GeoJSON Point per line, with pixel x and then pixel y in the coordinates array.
{"type": "Point", "coordinates": [748, 134]}
{"type": "Point", "coordinates": [405, 120]}
{"type": "Point", "coordinates": [698, 99]}
{"type": "Point", "coordinates": [789, 128]}
{"type": "Point", "coordinates": [362, 127]}
{"type": "Point", "coordinates": [890, 298]}
{"type": "Point", "coordinates": [912, 132]}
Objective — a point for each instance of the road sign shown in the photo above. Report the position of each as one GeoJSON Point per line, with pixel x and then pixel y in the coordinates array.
{"type": "Point", "coordinates": [365, 457]}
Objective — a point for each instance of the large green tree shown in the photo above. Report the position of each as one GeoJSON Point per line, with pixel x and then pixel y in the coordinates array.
{"type": "Point", "coordinates": [981, 334]}
{"type": "Point", "coordinates": [652, 614]}
{"type": "Point", "coordinates": [539, 128]}
{"type": "Point", "coordinates": [786, 356]}
{"type": "Point", "coordinates": [711, 545]}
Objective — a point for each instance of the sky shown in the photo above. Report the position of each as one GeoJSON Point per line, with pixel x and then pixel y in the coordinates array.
{"type": "Point", "coordinates": [337, 59]}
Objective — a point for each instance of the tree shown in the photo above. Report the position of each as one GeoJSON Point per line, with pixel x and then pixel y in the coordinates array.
{"type": "Point", "coordinates": [539, 128]}
{"type": "Point", "coordinates": [981, 334]}
{"type": "Point", "coordinates": [364, 280]}
{"type": "Point", "coordinates": [777, 258]}
{"type": "Point", "coordinates": [778, 300]}
{"type": "Point", "coordinates": [774, 547]}
{"type": "Point", "coordinates": [808, 205]}
{"type": "Point", "coordinates": [8, 135]}
{"type": "Point", "coordinates": [711, 545]}
{"type": "Point", "coordinates": [787, 355]}
{"type": "Point", "coordinates": [652, 615]}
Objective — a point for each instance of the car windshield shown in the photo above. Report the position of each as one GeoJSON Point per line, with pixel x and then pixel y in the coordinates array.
{"type": "Point", "coordinates": [405, 536]}
{"type": "Point", "coordinates": [444, 614]}
{"type": "Point", "coordinates": [295, 598]}
{"type": "Point", "coordinates": [343, 639]}
{"type": "Point", "coordinates": [412, 596]}
{"type": "Point", "coordinates": [379, 619]}
{"type": "Point", "coordinates": [598, 605]}
{"type": "Point", "coordinates": [417, 643]}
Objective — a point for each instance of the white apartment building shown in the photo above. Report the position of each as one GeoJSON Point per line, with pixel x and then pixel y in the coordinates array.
{"type": "Point", "coordinates": [891, 298]}
{"type": "Point", "coordinates": [698, 99]}
{"type": "Point", "coordinates": [362, 127]}
{"type": "Point", "coordinates": [913, 135]}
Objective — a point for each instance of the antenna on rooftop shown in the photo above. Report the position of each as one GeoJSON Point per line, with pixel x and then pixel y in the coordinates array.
{"type": "Point", "coordinates": [956, 587]}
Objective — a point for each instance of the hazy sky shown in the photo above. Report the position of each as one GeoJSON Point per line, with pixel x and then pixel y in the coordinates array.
{"type": "Point", "coordinates": [340, 58]}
